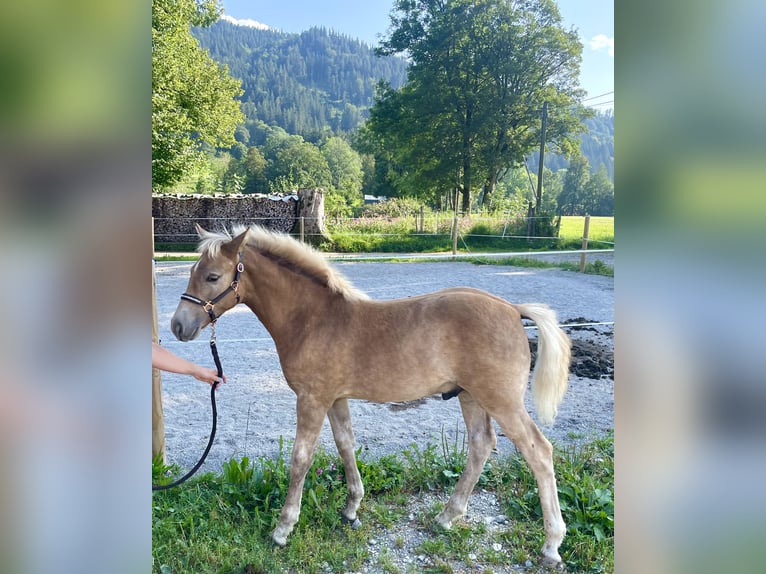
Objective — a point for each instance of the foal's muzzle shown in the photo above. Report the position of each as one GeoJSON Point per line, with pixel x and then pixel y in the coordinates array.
{"type": "Point", "coordinates": [185, 325]}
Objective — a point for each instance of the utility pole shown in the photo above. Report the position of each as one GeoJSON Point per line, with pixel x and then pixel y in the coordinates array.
{"type": "Point", "coordinates": [539, 198]}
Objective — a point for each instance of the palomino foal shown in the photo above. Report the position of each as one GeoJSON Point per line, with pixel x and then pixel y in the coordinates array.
{"type": "Point", "coordinates": [456, 341]}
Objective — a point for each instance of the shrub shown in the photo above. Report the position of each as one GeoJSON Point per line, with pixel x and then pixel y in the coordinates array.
{"type": "Point", "coordinates": [395, 207]}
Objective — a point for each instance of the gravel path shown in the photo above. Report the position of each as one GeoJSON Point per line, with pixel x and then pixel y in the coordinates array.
{"type": "Point", "coordinates": [257, 407]}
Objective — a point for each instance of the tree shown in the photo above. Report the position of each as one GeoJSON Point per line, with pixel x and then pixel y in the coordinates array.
{"type": "Point", "coordinates": [346, 170]}
{"type": "Point", "coordinates": [293, 163]}
{"type": "Point", "coordinates": [480, 71]}
{"type": "Point", "coordinates": [599, 193]}
{"type": "Point", "coordinates": [193, 97]}
{"type": "Point", "coordinates": [571, 199]}
{"type": "Point", "coordinates": [255, 172]}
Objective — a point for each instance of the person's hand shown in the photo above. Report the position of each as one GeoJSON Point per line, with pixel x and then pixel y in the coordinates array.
{"type": "Point", "coordinates": [209, 376]}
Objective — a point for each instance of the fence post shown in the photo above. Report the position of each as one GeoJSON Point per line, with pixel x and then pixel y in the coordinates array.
{"type": "Point", "coordinates": [584, 243]}
{"type": "Point", "coordinates": [530, 222]}
{"type": "Point", "coordinates": [422, 218]}
{"type": "Point", "coordinates": [302, 228]}
{"type": "Point", "coordinates": [454, 233]}
{"type": "Point", "coordinates": [158, 417]}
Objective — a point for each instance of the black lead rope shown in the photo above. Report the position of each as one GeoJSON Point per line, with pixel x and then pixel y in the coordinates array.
{"type": "Point", "coordinates": [213, 387]}
{"type": "Point", "coordinates": [209, 307]}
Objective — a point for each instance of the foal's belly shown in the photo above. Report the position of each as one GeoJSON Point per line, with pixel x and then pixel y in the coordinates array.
{"type": "Point", "coordinates": [400, 391]}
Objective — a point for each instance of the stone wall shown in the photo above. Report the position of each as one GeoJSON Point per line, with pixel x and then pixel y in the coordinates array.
{"type": "Point", "coordinates": [175, 215]}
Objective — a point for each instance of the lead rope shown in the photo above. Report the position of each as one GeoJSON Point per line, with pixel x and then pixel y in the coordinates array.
{"type": "Point", "coordinates": [213, 387]}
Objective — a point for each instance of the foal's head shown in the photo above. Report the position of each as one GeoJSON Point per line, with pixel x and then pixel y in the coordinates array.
{"type": "Point", "coordinates": [210, 291]}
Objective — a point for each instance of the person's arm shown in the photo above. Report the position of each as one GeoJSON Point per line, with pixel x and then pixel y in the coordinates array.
{"type": "Point", "coordinates": [167, 361]}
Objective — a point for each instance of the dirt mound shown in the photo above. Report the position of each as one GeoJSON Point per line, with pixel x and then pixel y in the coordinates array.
{"type": "Point", "coordinates": [590, 360]}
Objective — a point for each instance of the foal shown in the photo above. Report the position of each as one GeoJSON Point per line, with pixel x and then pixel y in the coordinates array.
{"type": "Point", "coordinates": [457, 341]}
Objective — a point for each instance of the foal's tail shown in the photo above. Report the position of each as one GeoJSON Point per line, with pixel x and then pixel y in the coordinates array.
{"type": "Point", "coordinates": [551, 374]}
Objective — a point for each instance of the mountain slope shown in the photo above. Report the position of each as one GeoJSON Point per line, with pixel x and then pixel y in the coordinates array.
{"type": "Point", "coordinates": [304, 82]}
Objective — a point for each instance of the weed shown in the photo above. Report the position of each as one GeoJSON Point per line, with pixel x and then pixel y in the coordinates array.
{"type": "Point", "coordinates": [386, 563]}
{"type": "Point", "coordinates": [163, 473]}
{"type": "Point", "coordinates": [596, 267]}
{"type": "Point", "coordinates": [381, 475]}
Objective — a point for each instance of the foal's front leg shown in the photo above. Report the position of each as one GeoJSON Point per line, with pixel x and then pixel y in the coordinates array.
{"type": "Point", "coordinates": [311, 415]}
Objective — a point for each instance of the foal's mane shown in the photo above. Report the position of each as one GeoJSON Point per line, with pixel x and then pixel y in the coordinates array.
{"type": "Point", "coordinates": [287, 252]}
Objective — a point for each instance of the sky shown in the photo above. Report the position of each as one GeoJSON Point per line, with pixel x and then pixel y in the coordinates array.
{"type": "Point", "coordinates": [368, 21]}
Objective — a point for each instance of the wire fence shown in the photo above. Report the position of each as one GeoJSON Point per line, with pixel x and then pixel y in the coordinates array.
{"type": "Point", "coordinates": [434, 225]}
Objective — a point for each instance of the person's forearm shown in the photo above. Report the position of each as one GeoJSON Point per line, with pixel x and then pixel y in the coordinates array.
{"type": "Point", "coordinates": [166, 361]}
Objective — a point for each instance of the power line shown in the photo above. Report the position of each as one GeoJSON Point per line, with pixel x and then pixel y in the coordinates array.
{"type": "Point", "coordinates": [599, 96]}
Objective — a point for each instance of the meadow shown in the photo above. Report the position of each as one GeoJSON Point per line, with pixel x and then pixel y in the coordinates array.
{"type": "Point", "coordinates": [476, 233]}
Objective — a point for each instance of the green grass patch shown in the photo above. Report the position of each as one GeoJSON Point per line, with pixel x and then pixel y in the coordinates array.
{"type": "Point", "coordinates": [190, 248]}
{"type": "Point", "coordinates": [351, 242]}
{"type": "Point", "coordinates": [600, 231]}
{"type": "Point", "coordinates": [222, 523]}
{"type": "Point", "coordinates": [477, 233]}
{"type": "Point", "coordinates": [596, 267]}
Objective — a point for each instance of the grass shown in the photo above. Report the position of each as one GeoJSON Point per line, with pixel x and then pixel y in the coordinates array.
{"type": "Point", "coordinates": [600, 231]}
{"type": "Point", "coordinates": [396, 235]}
{"type": "Point", "coordinates": [222, 523]}
{"type": "Point", "coordinates": [596, 267]}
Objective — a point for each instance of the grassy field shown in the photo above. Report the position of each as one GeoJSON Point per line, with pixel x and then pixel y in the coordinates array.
{"type": "Point", "coordinates": [398, 235]}
{"type": "Point", "coordinates": [222, 523]}
{"type": "Point", "coordinates": [600, 229]}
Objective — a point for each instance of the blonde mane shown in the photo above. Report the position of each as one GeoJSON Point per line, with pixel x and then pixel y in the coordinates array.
{"type": "Point", "coordinates": [287, 250]}
{"type": "Point", "coordinates": [210, 241]}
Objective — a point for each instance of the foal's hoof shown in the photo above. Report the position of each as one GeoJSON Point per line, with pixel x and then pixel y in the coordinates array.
{"type": "Point", "coordinates": [354, 524]}
{"type": "Point", "coordinates": [446, 519]}
{"type": "Point", "coordinates": [553, 564]}
{"type": "Point", "coordinates": [279, 539]}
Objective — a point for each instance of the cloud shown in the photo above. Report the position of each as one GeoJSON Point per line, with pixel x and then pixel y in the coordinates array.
{"type": "Point", "coordinates": [246, 22]}
{"type": "Point", "coordinates": [601, 42]}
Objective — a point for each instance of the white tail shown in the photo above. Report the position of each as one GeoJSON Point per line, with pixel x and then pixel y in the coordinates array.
{"type": "Point", "coordinates": [551, 374]}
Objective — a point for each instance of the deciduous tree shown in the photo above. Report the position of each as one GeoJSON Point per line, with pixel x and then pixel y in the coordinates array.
{"type": "Point", "coordinates": [572, 194]}
{"type": "Point", "coordinates": [480, 71]}
{"type": "Point", "coordinates": [193, 97]}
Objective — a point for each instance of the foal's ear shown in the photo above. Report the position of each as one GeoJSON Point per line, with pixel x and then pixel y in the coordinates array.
{"type": "Point", "coordinates": [201, 232]}
{"type": "Point", "coordinates": [230, 248]}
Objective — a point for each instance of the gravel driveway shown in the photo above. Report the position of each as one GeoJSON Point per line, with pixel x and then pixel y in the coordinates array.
{"type": "Point", "coordinates": [256, 407]}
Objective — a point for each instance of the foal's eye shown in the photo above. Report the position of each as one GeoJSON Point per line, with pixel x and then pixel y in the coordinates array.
{"type": "Point", "coordinates": [213, 277]}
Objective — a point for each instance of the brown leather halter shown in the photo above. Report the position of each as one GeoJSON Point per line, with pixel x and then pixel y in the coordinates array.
{"type": "Point", "coordinates": [209, 306]}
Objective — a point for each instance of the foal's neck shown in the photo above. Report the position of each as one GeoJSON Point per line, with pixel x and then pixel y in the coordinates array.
{"type": "Point", "coordinates": [284, 296]}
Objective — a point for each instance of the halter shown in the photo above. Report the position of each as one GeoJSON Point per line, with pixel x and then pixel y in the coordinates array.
{"type": "Point", "coordinates": [208, 306]}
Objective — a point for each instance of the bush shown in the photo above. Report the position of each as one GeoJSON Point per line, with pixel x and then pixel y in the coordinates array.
{"type": "Point", "coordinates": [395, 207]}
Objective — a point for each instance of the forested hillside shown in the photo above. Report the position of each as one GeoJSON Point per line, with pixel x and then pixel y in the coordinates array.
{"type": "Point", "coordinates": [319, 80]}
{"type": "Point", "coordinates": [304, 83]}
{"type": "Point", "coordinates": [597, 145]}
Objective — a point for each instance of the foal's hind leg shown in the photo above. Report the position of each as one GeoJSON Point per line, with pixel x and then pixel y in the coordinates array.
{"type": "Point", "coordinates": [481, 441]}
{"type": "Point", "coordinates": [311, 415]}
{"type": "Point", "coordinates": [538, 453]}
{"type": "Point", "coordinates": [340, 421]}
